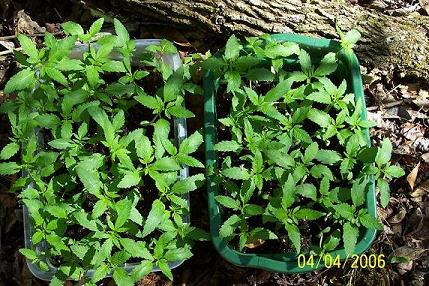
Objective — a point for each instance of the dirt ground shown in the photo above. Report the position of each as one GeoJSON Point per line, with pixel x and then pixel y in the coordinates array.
{"type": "Point", "coordinates": [400, 108]}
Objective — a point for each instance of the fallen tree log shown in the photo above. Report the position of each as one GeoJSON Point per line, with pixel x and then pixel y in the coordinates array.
{"type": "Point", "coordinates": [391, 43]}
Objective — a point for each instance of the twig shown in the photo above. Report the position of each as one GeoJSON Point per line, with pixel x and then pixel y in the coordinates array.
{"type": "Point", "coordinates": [11, 37]}
{"type": "Point", "coordinates": [2, 53]}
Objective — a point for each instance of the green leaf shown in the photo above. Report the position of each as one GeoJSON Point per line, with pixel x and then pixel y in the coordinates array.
{"type": "Point", "coordinates": [278, 91]}
{"type": "Point", "coordinates": [9, 150]}
{"type": "Point", "coordinates": [236, 173]}
{"type": "Point", "coordinates": [260, 74]}
{"type": "Point", "coordinates": [56, 211]}
{"type": "Point", "coordinates": [131, 178]}
{"type": "Point", "coordinates": [179, 111]}
{"type": "Point", "coordinates": [294, 236]}
{"type": "Point", "coordinates": [384, 152]}
{"type": "Point", "coordinates": [227, 146]}
{"type": "Point", "coordinates": [165, 269]}
{"type": "Point", "coordinates": [358, 192]}
{"type": "Point", "coordinates": [327, 66]}
{"type": "Point", "coordinates": [280, 158]}
{"type": "Point", "coordinates": [178, 254]}
{"type": "Point", "coordinates": [96, 26]}
{"type": "Point", "coordinates": [350, 236]}
{"type": "Point", "coordinates": [304, 60]}
{"type": "Point", "coordinates": [60, 143]}
{"type": "Point", "coordinates": [9, 168]}
{"type": "Point", "coordinates": [311, 152]}
{"type": "Point", "coordinates": [320, 171]}
{"type": "Point", "coordinates": [69, 65]}
{"type": "Point", "coordinates": [57, 76]}
{"type": "Point", "coordinates": [141, 270]}
{"type": "Point", "coordinates": [189, 161]}
{"type": "Point", "coordinates": [154, 218]}
{"type": "Point", "coordinates": [228, 227]}
{"type": "Point", "coordinates": [92, 75]}
{"type": "Point", "coordinates": [148, 101]}
{"type": "Point", "coordinates": [100, 273]}
{"type": "Point", "coordinates": [320, 97]}
{"type": "Point", "coordinates": [113, 66]}
{"type": "Point", "coordinates": [233, 81]}
{"type": "Point", "coordinates": [394, 171]}
{"type": "Point", "coordinates": [188, 184]}
{"type": "Point", "coordinates": [253, 210]}
{"type": "Point", "coordinates": [308, 191]}
{"type": "Point", "coordinates": [84, 220]}
{"type": "Point", "coordinates": [22, 80]}
{"type": "Point", "coordinates": [344, 210]}
{"type": "Point", "coordinates": [370, 222]}
{"type": "Point", "coordinates": [144, 148]}
{"type": "Point", "coordinates": [136, 248]}
{"type": "Point", "coordinates": [384, 189]}
{"type": "Point", "coordinates": [308, 214]}
{"type": "Point", "coordinates": [166, 164]}
{"type": "Point", "coordinates": [352, 37]}
{"type": "Point", "coordinates": [232, 48]}
{"type": "Point", "coordinates": [99, 208]}
{"type": "Point", "coordinates": [28, 46]}
{"type": "Point", "coordinates": [28, 253]}
{"type": "Point", "coordinates": [228, 202]}
{"type": "Point", "coordinates": [72, 28]}
{"type": "Point", "coordinates": [121, 277]}
{"type": "Point", "coordinates": [190, 144]}
{"type": "Point", "coordinates": [123, 210]}
{"type": "Point", "coordinates": [121, 31]}
{"type": "Point", "coordinates": [319, 117]}
{"type": "Point", "coordinates": [328, 157]}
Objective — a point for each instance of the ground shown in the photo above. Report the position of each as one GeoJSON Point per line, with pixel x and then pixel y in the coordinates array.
{"type": "Point", "coordinates": [399, 106]}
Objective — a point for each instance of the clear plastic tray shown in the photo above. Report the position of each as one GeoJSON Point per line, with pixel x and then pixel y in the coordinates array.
{"type": "Point", "coordinates": [180, 132]}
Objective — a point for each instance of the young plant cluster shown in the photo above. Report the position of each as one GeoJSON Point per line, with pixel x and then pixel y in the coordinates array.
{"type": "Point", "coordinates": [293, 149]}
{"type": "Point", "coordinates": [93, 138]}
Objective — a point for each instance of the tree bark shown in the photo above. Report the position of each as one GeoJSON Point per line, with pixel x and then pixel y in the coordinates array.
{"type": "Point", "coordinates": [389, 43]}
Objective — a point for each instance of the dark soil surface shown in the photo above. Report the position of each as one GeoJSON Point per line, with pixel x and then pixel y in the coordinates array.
{"type": "Point", "coordinates": [397, 105]}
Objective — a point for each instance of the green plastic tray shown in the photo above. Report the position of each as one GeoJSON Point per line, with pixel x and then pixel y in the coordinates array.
{"type": "Point", "coordinates": [280, 262]}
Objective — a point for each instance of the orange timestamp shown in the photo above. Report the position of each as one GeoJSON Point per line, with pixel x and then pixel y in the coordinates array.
{"type": "Point", "coordinates": [370, 261]}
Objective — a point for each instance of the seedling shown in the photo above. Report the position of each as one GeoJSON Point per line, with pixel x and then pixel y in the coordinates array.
{"type": "Point", "coordinates": [93, 138]}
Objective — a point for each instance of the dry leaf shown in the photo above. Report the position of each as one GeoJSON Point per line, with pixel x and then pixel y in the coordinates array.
{"type": "Point", "coordinates": [425, 5]}
{"type": "Point", "coordinates": [412, 176]}
{"type": "Point", "coordinates": [425, 157]}
{"type": "Point", "coordinates": [255, 243]}
{"type": "Point", "coordinates": [409, 253]}
{"type": "Point", "coordinates": [25, 25]}
{"type": "Point", "coordinates": [398, 217]}
{"type": "Point", "coordinates": [420, 191]}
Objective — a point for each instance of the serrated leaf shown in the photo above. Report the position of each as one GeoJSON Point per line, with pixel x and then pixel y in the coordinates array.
{"type": "Point", "coordinates": [308, 214]}
{"type": "Point", "coordinates": [236, 173]}
{"type": "Point", "coordinates": [141, 270]}
{"type": "Point", "coordinates": [165, 269]}
{"type": "Point", "coordinates": [57, 76]}
{"type": "Point", "coordinates": [121, 277]}
{"type": "Point", "coordinates": [228, 202]}
{"type": "Point", "coordinates": [9, 168]}
{"type": "Point", "coordinates": [178, 254]}
{"type": "Point", "coordinates": [260, 74]}
{"type": "Point", "coordinates": [187, 185]}
{"type": "Point", "coordinates": [228, 227]}
{"type": "Point", "coordinates": [328, 157]}
{"type": "Point", "coordinates": [56, 211]}
{"type": "Point", "coordinates": [28, 253]}
{"type": "Point", "coordinates": [308, 191]}
{"type": "Point", "coordinates": [28, 46]}
{"type": "Point", "coordinates": [384, 152]}
{"type": "Point", "coordinates": [123, 210]}
{"type": "Point", "coordinates": [319, 117]}
{"type": "Point", "coordinates": [232, 48]}
{"type": "Point", "coordinates": [350, 236]}
{"type": "Point", "coordinates": [189, 161]}
{"type": "Point", "coordinates": [311, 152]}
{"type": "Point", "coordinates": [154, 218]}
{"type": "Point", "coordinates": [233, 81]}
{"type": "Point", "coordinates": [294, 236]}
{"type": "Point", "coordinates": [96, 26]}
{"type": "Point", "coordinates": [72, 28]}
{"type": "Point", "coordinates": [278, 91]}
{"type": "Point", "coordinates": [319, 171]}
{"type": "Point", "coordinates": [166, 164]}
{"type": "Point", "coordinates": [227, 146]}
{"type": "Point", "coordinates": [121, 31]}
{"type": "Point", "coordinates": [320, 97]}
{"type": "Point", "coordinates": [394, 171]}
{"type": "Point", "coordinates": [130, 179]}
{"type": "Point", "coordinates": [148, 101]}
{"type": "Point", "coordinates": [22, 80]}
{"type": "Point", "coordinates": [60, 144]}
{"type": "Point", "coordinates": [384, 189]}
{"type": "Point", "coordinates": [344, 210]}
{"type": "Point", "coordinates": [136, 248]}
{"type": "Point", "coordinates": [370, 222]}
{"type": "Point", "coordinates": [190, 144]}
{"type": "Point", "coordinates": [9, 150]}
{"type": "Point", "coordinates": [304, 60]}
